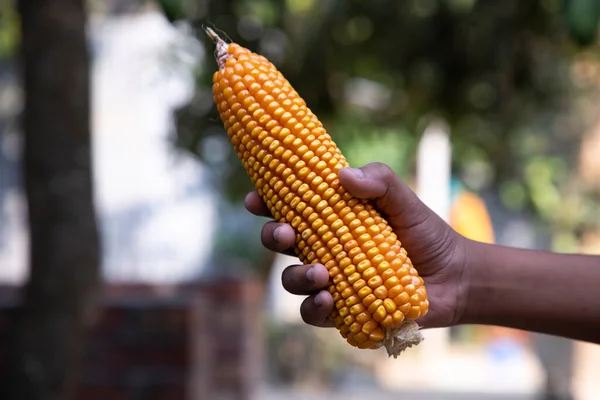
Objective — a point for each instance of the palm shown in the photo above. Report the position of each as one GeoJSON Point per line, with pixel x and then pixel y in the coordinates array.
{"type": "Point", "coordinates": [434, 248]}
{"type": "Point", "coordinates": [435, 251]}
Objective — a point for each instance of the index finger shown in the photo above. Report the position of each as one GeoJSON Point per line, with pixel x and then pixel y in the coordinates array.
{"type": "Point", "coordinates": [256, 205]}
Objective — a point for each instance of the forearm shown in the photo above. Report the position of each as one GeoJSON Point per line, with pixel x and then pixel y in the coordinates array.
{"type": "Point", "coordinates": [557, 294]}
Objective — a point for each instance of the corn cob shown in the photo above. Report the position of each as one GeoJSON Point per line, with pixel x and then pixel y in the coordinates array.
{"type": "Point", "coordinates": [294, 165]}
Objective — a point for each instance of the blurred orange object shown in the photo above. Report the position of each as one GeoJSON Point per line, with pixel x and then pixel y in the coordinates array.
{"type": "Point", "coordinates": [470, 217]}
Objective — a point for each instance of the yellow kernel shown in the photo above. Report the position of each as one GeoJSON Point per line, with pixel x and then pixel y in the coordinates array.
{"type": "Point", "coordinates": [364, 238]}
{"type": "Point", "coordinates": [352, 300]}
{"type": "Point", "coordinates": [327, 212]}
{"type": "Point", "coordinates": [369, 299]}
{"type": "Point", "coordinates": [344, 211]}
{"type": "Point", "coordinates": [360, 230]}
{"type": "Point", "coordinates": [395, 291]}
{"type": "Point", "coordinates": [374, 256]}
{"type": "Point", "coordinates": [338, 278]}
{"type": "Point", "coordinates": [381, 292]}
{"type": "Point", "coordinates": [387, 322]}
{"type": "Point", "coordinates": [349, 270]}
{"type": "Point", "coordinates": [389, 305]}
{"type": "Point", "coordinates": [360, 256]}
{"type": "Point", "coordinates": [350, 244]}
{"type": "Point", "coordinates": [342, 285]}
{"type": "Point", "coordinates": [398, 317]}
{"type": "Point", "coordinates": [336, 249]}
{"type": "Point", "coordinates": [342, 255]}
{"type": "Point", "coordinates": [414, 313]}
{"type": "Point", "coordinates": [384, 265]}
{"type": "Point", "coordinates": [361, 338]}
{"type": "Point", "coordinates": [377, 335]}
{"type": "Point", "coordinates": [354, 255]}
{"type": "Point", "coordinates": [355, 327]}
{"type": "Point", "coordinates": [357, 309]}
{"type": "Point", "coordinates": [374, 305]}
{"type": "Point", "coordinates": [359, 284]}
{"type": "Point", "coordinates": [337, 225]}
{"type": "Point", "coordinates": [345, 239]}
{"type": "Point", "coordinates": [363, 265]}
{"type": "Point", "coordinates": [364, 292]}
{"type": "Point", "coordinates": [405, 308]}
{"type": "Point", "coordinates": [386, 274]}
{"type": "Point", "coordinates": [328, 193]}
{"type": "Point", "coordinates": [405, 280]}
{"type": "Point", "coordinates": [363, 317]}
{"type": "Point", "coordinates": [344, 331]}
{"type": "Point", "coordinates": [374, 230]}
{"type": "Point", "coordinates": [403, 271]}
{"type": "Point", "coordinates": [333, 270]}
{"type": "Point", "coordinates": [308, 211]}
{"type": "Point", "coordinates": [368, 245]}
{"type": "Point", "coordinates": [379, 314]}
{"type": "Point", "coordinates": [375, 281]}
{"type": "Point", "coordinates": [415, 299]}
{"type": "Point", "coordinates": [402, 299]}
{"type": "Point", "coordinates": [370, 273]}
{"type": "Point", "coordinates": [369, 327]}
{"type": "Point", "coordinates": [343, 310]}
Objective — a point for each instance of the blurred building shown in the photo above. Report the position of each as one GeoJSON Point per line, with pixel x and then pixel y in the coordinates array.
{"type": "Point", "coordinates": [151, 197]}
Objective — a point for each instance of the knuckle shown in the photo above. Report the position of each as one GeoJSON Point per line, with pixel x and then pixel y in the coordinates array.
{"type": "Point", "coordinates": [380, 171]}
{"type": "Point", "coordinates": [378, 165]}
{"type": "Point", "coordinates": [386, 172]}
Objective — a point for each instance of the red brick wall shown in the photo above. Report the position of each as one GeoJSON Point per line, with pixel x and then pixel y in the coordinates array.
{"type": "Point", "coordinates": [192, 342]}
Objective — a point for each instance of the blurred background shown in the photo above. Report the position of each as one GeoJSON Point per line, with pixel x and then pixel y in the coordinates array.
{"type": "Point", "coordinates": [140, 259]}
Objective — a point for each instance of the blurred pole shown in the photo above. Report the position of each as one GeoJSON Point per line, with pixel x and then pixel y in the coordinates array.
{"type": "Point", "coordinates": [433, 175]}
{"type": "Point", "coordinates": [434, 158]}
{"type": "Point", "coordinates": [47, 333]}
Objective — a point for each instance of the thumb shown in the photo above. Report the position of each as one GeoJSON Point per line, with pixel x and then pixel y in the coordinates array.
{"type": "Point", "coordinates": [393, 198]}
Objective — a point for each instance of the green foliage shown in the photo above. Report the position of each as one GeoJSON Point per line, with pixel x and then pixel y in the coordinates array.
{"type": "Point", "coordinates": [501, 73]}
{"type": "Point", "coordinates": [174, 10]}
{"type": "Point", "coordinates": [364, 143]}
{"type": "Point", "coordinates": [9, 28]}
{"type": "Point", "coordinates": [582, 19]}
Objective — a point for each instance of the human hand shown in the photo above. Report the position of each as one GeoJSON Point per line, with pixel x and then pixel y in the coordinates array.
{"type": "Point", "coordinates": [436, 250]}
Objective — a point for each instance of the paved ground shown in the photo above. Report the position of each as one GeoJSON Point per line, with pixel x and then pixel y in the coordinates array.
{"type": "Point", "coordinates": [374, 394]}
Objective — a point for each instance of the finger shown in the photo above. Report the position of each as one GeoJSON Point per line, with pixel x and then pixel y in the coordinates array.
{"type": "Point", "coordinates": [278, 237]}
{"type": "Point", "coordinates": [256, 205]}
{"type": "Point", "coordinates": [304, 279]}
{"type": "Point", "coordinates": [316, 309]}
{"type": "Point", "coordinates": [393, 197]}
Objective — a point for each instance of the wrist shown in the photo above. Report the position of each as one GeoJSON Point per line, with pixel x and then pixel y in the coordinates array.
{"type": "Point", "coordinates": [522, 289]}
{"type": "Point", "coordinates": [497, 282]}
{"type": "Point", "coordinates": [472, 284]}
{"type": "Point", "coordinates": [462, 276]}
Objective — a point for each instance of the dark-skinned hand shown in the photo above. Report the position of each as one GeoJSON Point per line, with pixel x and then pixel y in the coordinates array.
{"type": "Point", "coordinates": [435, 249]}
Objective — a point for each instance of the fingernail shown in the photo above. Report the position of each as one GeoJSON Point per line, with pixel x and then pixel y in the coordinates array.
{"type": "Point", "coordinates": [277, 234]}
{"type": "Point", "coordinates": [318, 301]}
{"type": "Point", "coordinates": [358, 173]}
{"type": "Point", "coordinates": [310, 274]}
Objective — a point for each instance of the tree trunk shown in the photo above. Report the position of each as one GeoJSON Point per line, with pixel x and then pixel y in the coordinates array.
{"type": "Point", "coordinates": [58, 300]}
